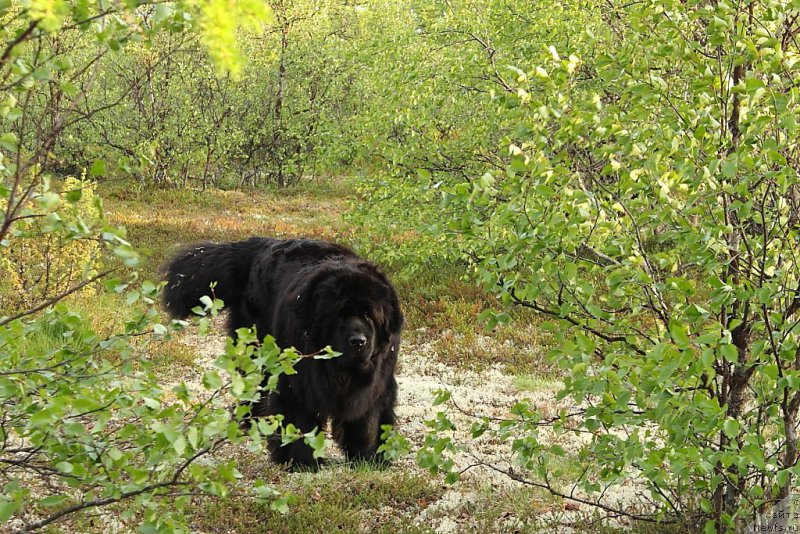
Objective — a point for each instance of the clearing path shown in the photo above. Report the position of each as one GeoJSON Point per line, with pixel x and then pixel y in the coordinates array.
{"type": "Point", "coordinates": [421, 374]}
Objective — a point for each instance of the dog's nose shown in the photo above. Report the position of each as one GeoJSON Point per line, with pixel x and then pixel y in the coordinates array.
{"type": "Point", "coordinates": [358, 340]}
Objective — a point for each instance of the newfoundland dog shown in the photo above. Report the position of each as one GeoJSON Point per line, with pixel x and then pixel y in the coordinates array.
{"type": "Point", "coordinates": [307, 294]}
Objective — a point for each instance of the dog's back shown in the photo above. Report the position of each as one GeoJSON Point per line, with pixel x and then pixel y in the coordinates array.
{"type": "Point", "coordinates": [309, 250]}
{"type": "Point", "coordinates": [192, 271]}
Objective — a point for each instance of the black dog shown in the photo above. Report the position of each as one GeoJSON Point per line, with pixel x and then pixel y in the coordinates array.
{"type": "Point", "coordinates": [307, 294]}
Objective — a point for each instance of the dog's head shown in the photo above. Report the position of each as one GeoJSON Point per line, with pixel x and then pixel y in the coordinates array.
{"type": "Point", "coordinates": [352, 307]}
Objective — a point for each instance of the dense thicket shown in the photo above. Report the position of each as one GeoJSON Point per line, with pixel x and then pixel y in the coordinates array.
{"type": "Point", "coordinates": [644, 196]}
{"type": "Point", "coordinates": [163, 112]}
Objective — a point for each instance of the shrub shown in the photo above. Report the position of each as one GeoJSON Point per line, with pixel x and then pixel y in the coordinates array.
{"type": "Point", "coordinates": [38, 263]}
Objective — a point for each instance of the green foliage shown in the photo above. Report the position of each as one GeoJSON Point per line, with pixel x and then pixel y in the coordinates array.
{"type": "Point", "coordinates": [394, 445]}
{"type": "Point", "coordinates": [86, 420]}
{"type": "Point", "coordinates": [166, 114]}
{"type": "Point", "coordinates": [446, 106]}
{"type": "Point", "coordinates": [59, 63]}
{"type": "Point", "coordinates": [90, 416]}
{"type": "Point", "coordinates": [219, 21]}
{"type": "Point", "coordinates": [645, 197]}
{"type": "Point", "coordinates": [436, 454]}
{"type": "Point", "coordinates": [52, 248]}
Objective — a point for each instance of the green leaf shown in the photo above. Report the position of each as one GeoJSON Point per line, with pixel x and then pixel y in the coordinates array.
{"type": "Point", "coordinates": [9, 141]}
{"type": "Point", "coordinates": [44, 417]}
{"type": "Point", "coordinates": [212, 380]}
{"type": "Point", "coordinates": [729, 168]}
{"type": "Point", "coordinates": [98, 168]}
{"type": "Point", "coordinates": [42, 74]}
{"type": "Point", "coordinates": [193, 437]}
{"type": "Point", "coordinates": [179, 444]}
{"type": "Point", "coordinates": [7, 509]}
{"type": "Point", "coordinates": [770, 371]}
{"type": "Point", "coordinates": [731, 428]}
{"type": "Point", "coordinates": [65, 467]}
{"type": "Point", "coordinates": [74, 195]}
{"type": "Point", "coordinates": [53, 501]}
{"type": "Point", "coordinates": [452, 477]}
{"type": "Point", "coordinates": [679, 333]}
{"type": "Point", "coordinates": [281, 504]}
{"type": "Point", "coordinates": [153, 404]}
{"type": "Point", "coordinates": [13, 114]}
{"type": "Point", "coordinates": [69, 88]}
{"type": "Point", "coordinates": [163, 12]}
{"type": "Point", "coordinates": [316, 440]}
{"type": "Point", "coordinates": [729, 352]}
{"type": "Point", "coordinates": [440, 397]}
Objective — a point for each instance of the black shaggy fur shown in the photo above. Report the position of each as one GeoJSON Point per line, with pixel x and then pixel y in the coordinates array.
{"type": "Point", "coordinates": [307, 294]}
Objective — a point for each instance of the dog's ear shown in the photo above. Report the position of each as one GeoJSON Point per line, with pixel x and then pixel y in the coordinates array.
{"type": "Point", "coordinates": [394, 320]}
{"type": "Point", "coordinates": [391, 329]}
{"type": "Point", "coordinates": [309, 295]}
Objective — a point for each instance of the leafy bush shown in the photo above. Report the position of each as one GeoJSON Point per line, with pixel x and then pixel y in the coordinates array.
{"type": "Point", "coordinates": [647, 202]}
{"type": "Point", "coordinates": [87, 423]}
{"type": "Point", "coordinates": [39, 263]}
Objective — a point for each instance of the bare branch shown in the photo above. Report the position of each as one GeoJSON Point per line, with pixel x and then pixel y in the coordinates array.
{"type": "Point", "coordinates": [57, 298]}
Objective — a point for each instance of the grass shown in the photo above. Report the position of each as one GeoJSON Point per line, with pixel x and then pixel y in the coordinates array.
{"type": "Point", "coordinates": [161, 221]}
{"type": "Point", "coordinates": [170, 355]}
{"type": "Point", "coordinates": [528, 382]}
{"type": "Point", "coordinates": [103, 314]}
{"type": "Point", "coordinates": [526, 510]}
{"type": "Point", "coordinates": [335, 500]}
{"type": "Point", "coordinates": [442, 308]}
{"type": "Point", "coordinates": [501, 510]}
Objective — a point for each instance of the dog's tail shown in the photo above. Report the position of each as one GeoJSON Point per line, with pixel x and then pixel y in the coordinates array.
{"type": "Point", "coordinates": [193, 270]}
